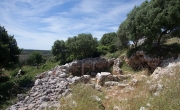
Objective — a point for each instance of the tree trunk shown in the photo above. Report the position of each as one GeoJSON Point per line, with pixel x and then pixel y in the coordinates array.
{"type": "Point", "coordinates": [135, 44]}
{"type": "Point", "coordinates": [159, 39]}
{"type": "Point", "coordinates": [37, 66]}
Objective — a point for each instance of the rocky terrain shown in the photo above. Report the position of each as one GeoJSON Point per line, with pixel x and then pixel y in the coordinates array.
{"type": "Point", "coordinates": [50, 86]}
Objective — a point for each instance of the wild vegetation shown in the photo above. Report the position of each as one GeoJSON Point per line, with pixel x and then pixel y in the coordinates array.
{"type": "Point", "coordinates": [84, 97]}
{"type": "Point", "coordinates": [155, 21]}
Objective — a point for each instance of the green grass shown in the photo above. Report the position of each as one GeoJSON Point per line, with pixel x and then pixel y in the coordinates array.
{"type": "Point", "coordinates": [126, 68]}
{"type": "Point", "coordinates": [112, 55]}
{"type": "Point", "coordinates": [13, 86]}
{"type": "Point", "coordinates": [82, 96]}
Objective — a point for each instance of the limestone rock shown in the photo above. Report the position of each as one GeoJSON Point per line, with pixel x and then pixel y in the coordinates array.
{"type": "Point", "coordinates": [116, 67]}
{"type": "Point", "coordinates": [156, 88]}
{"type": "Point", "coordinates": [122, 85]}
{"type": "Point", "coordinates": [110, 83]}
{"type": "Point", "coordinates": [31, 106]}
{"type": "Point", "coordinates": [143, 108]}
{"type": "Point", "coordinates": [100, 77]}
{"type": "Point", "coordinates": [21, 97]}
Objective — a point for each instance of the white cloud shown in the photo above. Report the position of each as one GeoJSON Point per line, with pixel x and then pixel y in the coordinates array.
{"type": "Point", "coordinates": [36, 26]}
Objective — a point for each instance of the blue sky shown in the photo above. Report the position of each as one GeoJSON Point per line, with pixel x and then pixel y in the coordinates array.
{"type": "Point", "coordinates": [36, 24]}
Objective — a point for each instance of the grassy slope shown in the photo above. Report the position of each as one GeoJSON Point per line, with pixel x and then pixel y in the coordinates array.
{"type": "Point", "coordinates": [9, 89]}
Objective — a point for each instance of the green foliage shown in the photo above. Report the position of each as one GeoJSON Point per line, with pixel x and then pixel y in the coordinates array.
{"type": "Point", "coordinates": [102, 49]}
{"type": "Point", "coordinates": [12, 85]}
{"type": "Point", "coordinates": [4, 78]}
{"type": "Point", "coordinates": [25, 81]}
{"type": "Point", "coordinates": [113, 55]}
{"type": "Point", "coordinates": [112, 48]}
{"type": "Point", "coordinates": [9, 50]}
{"type": "Point", "coordinates": [14, 72]}
{"type": "Point", "coordinates": [153, 19]}
{"type": "Point", "coordinates": [59, 49]}
{"type": "Point", "coordinates": [35, 58]}
{"type": "Point", "coordinates": [108, 39]}
{"type": "Point", "coordinates": [82, 46]}
{"type": "Point", "coordinates": [77, 47]}
{"type": "Point", "coordinates": [108, 43]}
{"type": "Point", "coordinates": [123, 40]}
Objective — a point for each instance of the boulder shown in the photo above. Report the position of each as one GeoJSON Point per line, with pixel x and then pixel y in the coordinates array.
{"type": "Point", "coordinates": [100, 77]}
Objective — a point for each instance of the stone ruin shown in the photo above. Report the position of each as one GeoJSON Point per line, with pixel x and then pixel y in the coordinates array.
{"type": "Point", "coordinates": [89, 66]}
{"type": "Point", "coordinates": [51, 85]}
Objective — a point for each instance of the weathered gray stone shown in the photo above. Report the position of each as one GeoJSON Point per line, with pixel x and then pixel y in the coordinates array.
{"type": "Point", "coordinates": [100, 77]}
{"type": "Point", "coordinates": [26, 99]}
{"type": "Point", "coordinates": [37, 82]}
{"type": "Point", "coordinates": [96, 98]}
{"type": "Point", "coordinates": [85, 78]}
{"type": "Point", "coordinates": [156, 88]}
{"type": "Point", "coordinates": [122, 85]}
{"type": "Point", "coordinates": [110, 83]}
{"type": "Point", "coordinates": [21, 97]}
{"type": "Point", "coordinates": [76, 79]}
{"type": "Point", "coordinates": [31, 106]}
{"type": "Point", "coordinates": [63, 75]}
{"type": "Point", "coordinates": [35, 94]}
{"type": "Point", "coordinates": [143, 108]}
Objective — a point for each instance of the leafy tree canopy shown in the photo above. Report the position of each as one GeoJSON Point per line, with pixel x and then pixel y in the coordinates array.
{"type": "Point", "coordinates": [152, 19]}
{"type": "Point", "coordinates": [9, 50]}
{"type": "Point", "coordinates": [36, 58]}
{"type": "Point", "coordinates": [108, 39]}
{"type": "Point", "coordinates": [77, 47]}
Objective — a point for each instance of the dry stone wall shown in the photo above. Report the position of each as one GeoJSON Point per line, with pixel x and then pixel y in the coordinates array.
{"type": "Point", "coordinates": [51, 85]}
{"type": "Point", "coordinates": [89, 66]}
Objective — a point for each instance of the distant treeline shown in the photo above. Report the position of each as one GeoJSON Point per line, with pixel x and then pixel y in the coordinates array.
{"type": "Point", "coordinates": [29, 51]}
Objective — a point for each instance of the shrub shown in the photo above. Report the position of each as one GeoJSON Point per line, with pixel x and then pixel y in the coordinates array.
{"type": "Point", "coordinates": [3, 78]}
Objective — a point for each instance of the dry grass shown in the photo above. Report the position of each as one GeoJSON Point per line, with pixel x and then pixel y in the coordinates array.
{"type": "Point", "coordinates": [169, 99]}
{"type": "Point", "coordinates": [172, 40]}
{"type": "Point", "coordinates": [82, 98]}
{"type": "Point", "coordinates": [129, 98]}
